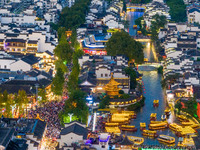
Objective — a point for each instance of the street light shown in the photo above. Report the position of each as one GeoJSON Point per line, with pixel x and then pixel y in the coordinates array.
{"type": "Point", "coordinates": [70, 115]}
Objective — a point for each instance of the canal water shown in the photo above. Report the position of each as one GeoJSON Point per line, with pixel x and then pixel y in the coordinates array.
{"type": "Point", "coordinates": [152, 90]}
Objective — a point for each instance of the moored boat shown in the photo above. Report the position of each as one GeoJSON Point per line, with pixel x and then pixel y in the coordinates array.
{"type": "Point", "coordinates": [174, 126]}
{"type": "Point", "coordinates": [153, 116]}
{"type": "Point", "coordinates": [142, 126]}
{"type": "Point", "coordinates": [139, 32]}
{"type": "Point", "coordinates": [155, 122]}
{"type": "Point", "coordinates": [134, 26]}
{"type": "Point", "coordinates": [158, 126]}
{"type": "Point", "coordinates": [150, 133]}
{"type": "Point", "coordinates": [189, 123]}
{"type": "Point", "coordinates": [195, 126]}
{"type": "Point", "coordinates": [136, 140]}
{"type": "Point", "coordinates": [111, 124]}
{"type": "Point", "coordinates": [166, 139]}
{"type": "Point", "coordinates": [128, 128]}
{"type": "Point", "coordinates": [182, 118]}
{"type": "Point", "coordinates": [186, 131]}
{"type": "Point", "coordinates": [156, 103]}
{"type": "Point", "coordinates": [186, 142]}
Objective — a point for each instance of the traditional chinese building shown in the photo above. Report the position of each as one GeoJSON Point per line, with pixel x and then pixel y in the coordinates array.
{"type": "Point", "coordinates": [112, 88]}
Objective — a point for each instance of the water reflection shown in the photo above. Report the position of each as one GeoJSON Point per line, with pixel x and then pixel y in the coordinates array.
{"type": "Point", "coordinates": [132, 16]}
{"type": "Point", "coordinates": [153, 89]}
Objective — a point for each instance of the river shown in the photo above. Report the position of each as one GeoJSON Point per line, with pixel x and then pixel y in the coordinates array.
{"type": "Point", "coordinates": [151, 89]}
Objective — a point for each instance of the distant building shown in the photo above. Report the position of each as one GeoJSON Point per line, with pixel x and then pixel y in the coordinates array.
{"type": "Point", "coordinates": [71, 133]}
{"type": "Point", "coordinates": [29, 133]}
{"type": "Point", "coordinates": [193, 13]}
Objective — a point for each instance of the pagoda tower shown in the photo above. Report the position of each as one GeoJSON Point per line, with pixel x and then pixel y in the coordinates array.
{"type": "Point", "coordinates": [112, 88]}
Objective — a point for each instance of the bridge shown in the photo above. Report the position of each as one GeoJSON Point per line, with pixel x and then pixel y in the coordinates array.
{"type": "Point", "coordinates": [135, 7]}
{"type": "Point", "coordinates": [148, 66]}
{"type": "Point", "coordinates": [142, 38]}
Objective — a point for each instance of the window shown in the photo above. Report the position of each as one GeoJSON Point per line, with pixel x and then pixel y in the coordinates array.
{"type": "Point", "coordinates": [5, 67]}
{"type": "Point", "coordinates": [106, 75]}
{"type": "Point", "coordinates": [71, 137]}
{"type": "Point", "coordinates": [101, 75]}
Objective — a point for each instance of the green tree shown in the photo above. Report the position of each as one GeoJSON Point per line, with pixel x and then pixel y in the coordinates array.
{"type": "Point", "coordinates": [74, 16]}
{"type": "Point", "coordinates": [191, 107]}
{"type": "Point", "coordinates": [177, 10]}
{"type": "Point", "coordinates": [104, 102]}
{"type": "Point", "coordinates": [22, 102]}
{"type": "Point", "coordinates": [121, 43]}
{"type": "Point", "coordinates": [63, 50]}
{"type": "Point", "coordinates": [125, 23]}
{"type": "Point", "coordinates": [7, 100]}
{"type": "Point", "coordinates": [58, 82]}
{"type": "Point", "coordinates": [75, 44]}
{"type": "Point", "coordinates": [124, 5]}
{"type": "Point", "coordinates": [61, 32]}
{"type": "Point", "coordinates": [76, 105]}
{"type": "Point", "coordinates": [132, 73]}
{"type": "Point", "coordinates": [73, 78]}
{"type": "Point", "coordinates": [42, 94]}
{"type": "Point", "coordinates": [157, 23]}
{"type": "Point", "coordinates": [178, 106]}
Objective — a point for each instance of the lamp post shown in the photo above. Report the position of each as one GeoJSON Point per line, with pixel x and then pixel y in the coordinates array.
{"type": "Point", "coordinates": [70, 115]}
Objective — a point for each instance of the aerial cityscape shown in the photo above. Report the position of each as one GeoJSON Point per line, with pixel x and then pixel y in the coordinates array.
{"type": "Point", "coordinates": [99, 74]}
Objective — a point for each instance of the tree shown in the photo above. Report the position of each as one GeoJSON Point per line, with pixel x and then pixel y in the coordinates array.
{"type": "Point", "coordinates": [74, 16]}
{"type": "Point", "coordinates": [156, 24]}
{"type": "Point", "coordinates": [177, 10]}
{"type": "Point", "coordinates": [42, 94]}
{"type": "Point", "coordinates": [191, 107]}
{"type": "Point", "coordinates": [58, 82]}
{"type": "Point", "coordinates": [125, 23]}
{"type": "Point", "coordinates": [63, 50]}
{"type": "Point", "coordinates": [121, 43]}
{"type": "Point", "coordinates": [75, 44]}
{"type": "Point", "coordinates": [132, 73]}
{"type": "Point", "coordinates": [22, 102]}
{"type": "Point", "coordinates": [178, 106]}
{"type": "Point", "coordinates": [104, 102]}
{"type": "Point", "coordinates": [73, 78]}
{"type": "Point", "coordinates": [124, 5]}
{"type": "Point", "coordinates": [76, 105]}
{"type": "Point", "coordinates": [61, 32]}
{"type": "Point", "coordinates": [7, 100]}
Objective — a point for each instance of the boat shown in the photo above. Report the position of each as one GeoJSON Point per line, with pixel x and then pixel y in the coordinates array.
{"type": "Point", "coordinates": [166, 139]}
{"type": "Point", "coordinates": [136, 140]}
{"type": "Point", "coordinates": [195, 126]}
{"type": "Point", "coordinates": [158, 126]}
{"type": "Point", "coordinates": [128, 128]}
{"type": "Point", "coordinates": [182, 118]}
{"type": "Point", "coordinates": [150, 133]}
{"type": "Point", "coordinates": [153, 116]}
{"type": "Point", "coordinates": [134, 26]}
{"type": "Point", "coordinates": [187, 123]}
{"type": "Point", "coordinates": [167, 111]}
{"type": "Point", "coordinates": [155, 122]}
{"type": "Point", "coordinates": [139, 32]}
{"type": "Point", "coordinates": [163, 117]}
{"type": "Point", "coordinates": [186, 131]}
{"type": "Point", "coordinates": [156, 103]}
{"type": "Point", "coordinates": [142, 126]}
{"type": "Point", "coordinates": [111, 124]}
{"type": "Point", "coordinates": [186, 142]}
{"type": "Point", "coordinates": [132, 114]}
{"type": "Point", "coordinates": [174, 126]}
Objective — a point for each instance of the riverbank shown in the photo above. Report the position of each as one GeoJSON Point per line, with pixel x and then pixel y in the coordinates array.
{"type": "Point", "coordinates": [137, 105]}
